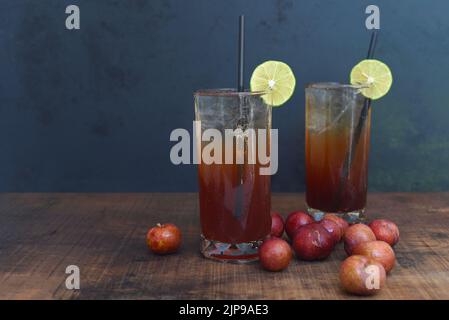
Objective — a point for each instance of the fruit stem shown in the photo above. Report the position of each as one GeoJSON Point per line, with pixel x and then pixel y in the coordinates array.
{"type": "Point", "coordinates": [159, 225]}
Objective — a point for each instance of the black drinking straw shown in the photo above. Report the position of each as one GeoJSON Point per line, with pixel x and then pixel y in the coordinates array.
{"type": "Point", "coordinates": [241, 68]}
{"type": "Point", "coordinates": [241, 59]}
{"type": "Point", "coordinates": [363, 114]}
{"type": "Point", "coordinates": [240, 88]}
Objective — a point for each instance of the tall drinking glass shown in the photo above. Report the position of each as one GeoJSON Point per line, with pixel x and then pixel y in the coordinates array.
{"type": "Point", "coordinates": [234, 196]}
{"type": "Point", "coordinates": [337, 147]}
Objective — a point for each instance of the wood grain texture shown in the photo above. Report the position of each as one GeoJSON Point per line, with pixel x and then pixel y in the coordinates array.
{"type": "Point", "coordinates": [104, 234]}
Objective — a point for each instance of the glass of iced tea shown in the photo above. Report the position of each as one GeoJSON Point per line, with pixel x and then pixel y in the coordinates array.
{"type": "Point", "coordinates": [234, 197]}
{"type": "Point", "coordinates": [337, 146]}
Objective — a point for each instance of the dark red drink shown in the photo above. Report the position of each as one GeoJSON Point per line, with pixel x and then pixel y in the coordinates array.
{"type": "Point", "coordinates": [221, 220]}
{"type": "Point", "coordinates": [234, 196]}
{"type": "Point", "coordinates": [336, 163]}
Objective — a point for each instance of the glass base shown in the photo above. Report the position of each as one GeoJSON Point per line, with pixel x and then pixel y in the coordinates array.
{"type": "Point", "coordinates": [351, 217]}
{"type": "Point", "coordinates": [231, 253]}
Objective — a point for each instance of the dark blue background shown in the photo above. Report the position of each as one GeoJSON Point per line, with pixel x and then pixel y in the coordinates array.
{"type": "Point", "coordinates": [92, 110]}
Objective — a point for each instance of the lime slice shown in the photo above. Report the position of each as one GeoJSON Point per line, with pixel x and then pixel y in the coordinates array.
{"type": "Point", "coordinates": [374, 75]}
{"type": "Point", "coordinates": [277, 79]}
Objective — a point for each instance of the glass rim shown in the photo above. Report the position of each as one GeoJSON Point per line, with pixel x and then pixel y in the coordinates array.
{"type": "Point", "coordinates": [227, 92]}
{"type": "Point", "coordinates": [334, 86]}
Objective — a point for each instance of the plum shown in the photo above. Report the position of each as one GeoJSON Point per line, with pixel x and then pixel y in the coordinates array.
{"type": "Point", "coordinates": [164, 238]}
{"type": "Point", "coordinates": [385, 230]}
{"type": "Point", "coordinates": [313, 242]}
{"type": "Point", "coordinates": [275, 254]}
{"type": "Point", "coordinates": [362, 276]}
{"type": "Point", "coordinates": [333, 228]}
{"type": "Point", "coordinates": [340, 221]}
{"type": "Point", "coordinates": [356, 234]}
{"type": "Point", "coordinates": [379, 251]}
{"type": "Point", "coordinates": [295, 220]}
{"type": "Point", "coordinates": [277, 225]}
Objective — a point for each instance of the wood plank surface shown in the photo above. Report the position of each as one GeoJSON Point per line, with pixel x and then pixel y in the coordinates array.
{"type": "Point", "coordinates": [104, 234]}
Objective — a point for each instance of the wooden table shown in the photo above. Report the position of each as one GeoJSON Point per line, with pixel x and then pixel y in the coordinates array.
{"type": "Point", "coordinates": [104, 234]}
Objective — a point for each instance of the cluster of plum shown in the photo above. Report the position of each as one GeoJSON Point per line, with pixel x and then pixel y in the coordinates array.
{"type": "Point", "coordinates": [369, 247]}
